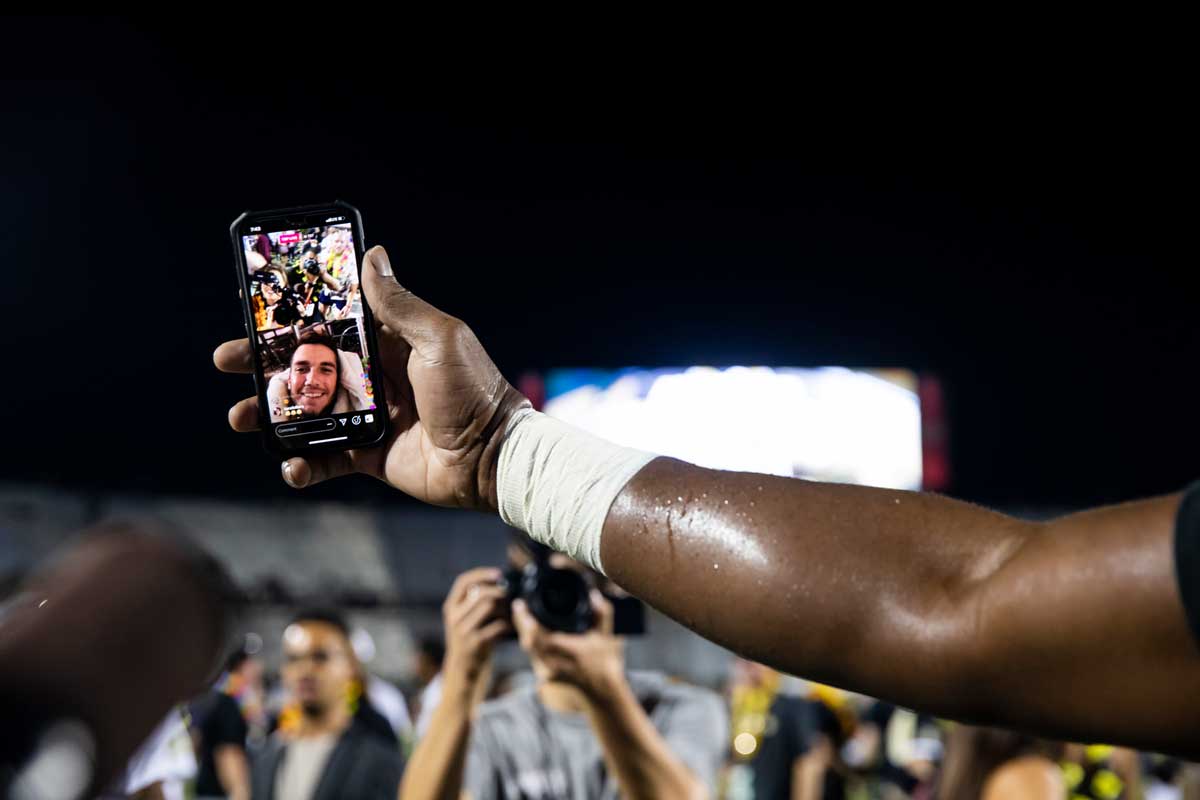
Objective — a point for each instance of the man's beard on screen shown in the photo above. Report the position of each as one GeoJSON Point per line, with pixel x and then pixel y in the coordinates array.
{"type": "Point", "coordinates": [327, 410]}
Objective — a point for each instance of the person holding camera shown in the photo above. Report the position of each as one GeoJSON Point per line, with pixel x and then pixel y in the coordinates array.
{"type": "Point", "coordinates": [311, 290]}
{"type": "Point", "coordinates": [587, 729]}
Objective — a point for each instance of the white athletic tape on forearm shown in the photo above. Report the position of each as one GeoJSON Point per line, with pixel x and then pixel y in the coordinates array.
{"type": "Point", "coordinates": [556, 482]}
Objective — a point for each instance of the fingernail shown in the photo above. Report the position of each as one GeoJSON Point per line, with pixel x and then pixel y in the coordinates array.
{"type": "Point", "coordinates": [287, 475]}
{"type": "Point", "coordinates": [382, 265]}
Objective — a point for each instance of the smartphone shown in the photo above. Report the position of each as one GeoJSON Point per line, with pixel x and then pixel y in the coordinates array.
{"type": "Point", "coordinates": [312, 335]}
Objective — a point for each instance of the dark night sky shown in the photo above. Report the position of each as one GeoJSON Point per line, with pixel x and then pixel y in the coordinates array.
{"type": "Point", "coordinates": [1029, 240]}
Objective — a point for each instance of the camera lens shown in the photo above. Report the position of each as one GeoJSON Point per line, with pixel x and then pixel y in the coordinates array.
{"type": "Point", "coordinates": [558, 598]}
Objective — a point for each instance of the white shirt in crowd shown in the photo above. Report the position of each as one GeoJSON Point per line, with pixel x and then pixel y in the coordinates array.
{"type": "Point", "coordinates": [389, 701]}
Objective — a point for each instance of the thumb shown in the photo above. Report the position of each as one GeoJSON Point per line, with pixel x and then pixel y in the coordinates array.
{"type": "Point", "coordinates": [524, 621]}
{"type": "Point", "coordinates": [393, 305]}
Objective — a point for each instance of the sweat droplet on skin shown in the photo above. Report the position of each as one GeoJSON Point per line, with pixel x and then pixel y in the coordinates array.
{"type": "Point", "coordinates": [716, 566]}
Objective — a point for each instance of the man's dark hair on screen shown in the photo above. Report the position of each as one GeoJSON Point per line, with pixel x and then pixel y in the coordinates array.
{"type": "Point", "coordinates": [323, 340]}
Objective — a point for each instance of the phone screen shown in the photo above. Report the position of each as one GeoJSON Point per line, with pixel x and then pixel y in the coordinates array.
{"type": "Point", "coordinates": [311, 331]}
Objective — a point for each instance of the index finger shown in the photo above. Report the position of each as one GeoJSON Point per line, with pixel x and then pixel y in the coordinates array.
{"type": "Point", "coordinates": [234, 356]}
{"type": "Point", "coordinates": [464, 582]}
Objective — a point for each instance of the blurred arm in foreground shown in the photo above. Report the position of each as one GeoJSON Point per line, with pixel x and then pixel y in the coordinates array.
{"type": "Point", "coordinates": [95, 649]}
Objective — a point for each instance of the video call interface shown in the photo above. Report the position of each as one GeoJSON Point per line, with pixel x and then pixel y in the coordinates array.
{"type": "Point", "coordinates": [306, 303]}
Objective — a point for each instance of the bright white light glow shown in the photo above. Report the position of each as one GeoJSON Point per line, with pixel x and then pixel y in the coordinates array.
{"type": "Point", "coordinates": [831, 424]}
{"type": "Point", "coordinates": [745, 743]}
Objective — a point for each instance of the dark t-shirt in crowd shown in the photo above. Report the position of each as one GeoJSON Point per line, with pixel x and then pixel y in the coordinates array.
{"type": "Point", "coordinates": [218, 721]}
{"type": "Point", "coordinates": [881, 714]}
{"type": "Point", "coordinates": [374, 723]}
{"type": "Point", "coordinates": [791, 726]}
{"type": "Point", "coordinates": [794, 727]}
{"type": "Point", "coordinates": [1187, 556]}
{"type": "Point", "coordinates": [829, 726]}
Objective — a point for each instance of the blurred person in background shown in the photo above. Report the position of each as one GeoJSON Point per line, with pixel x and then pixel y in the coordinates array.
{"type": "Point", "coordinates": [833, 720]}
{"type": "Point", "coordinates": [431, 652]}
{"type": "Point", "coordinates": [382, 695]}
{"type": "Point", "coordinates": [220, 732]}
{"type": "Point", "coordinates": [245, 682]}
{"type": "Point", "coordinates": [388, 701]}
{"type": "Point", "coordinates": [897, 749]}
{"type": "Point", "coordinates": [162, 768]}
{"type": "Point", "coordinates": [324, 748]}
{"type": "Point", "coordinates": [586, 730]}
{"type": "Point", "coordinates": [1167, 778]}
{"type": "Point", "coordinates": [785, 743]}
{"type": "Point", "coordinates": [994, 764]}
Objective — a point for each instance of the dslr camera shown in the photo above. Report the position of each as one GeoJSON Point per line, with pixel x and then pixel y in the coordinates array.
{"type": "Point", "coordinates": [559, 598]}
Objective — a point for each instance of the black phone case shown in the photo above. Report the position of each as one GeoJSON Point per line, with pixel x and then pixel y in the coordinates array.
{"type": "Point", "coordinates": [270, 442]}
